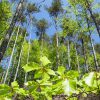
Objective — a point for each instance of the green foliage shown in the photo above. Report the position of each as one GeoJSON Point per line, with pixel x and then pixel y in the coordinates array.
{"type": "Point", "coordinates": [45, 79]}
{"type": "Point", "coordinates": [31, 8]}
{"type": "Point", "coordinates": [30, 67]}
{"type": "Point", "coordinates": [69, 87]}
{"type": "Point", "coordinates": [69, 27]}
{"type": "Point", "coordinates": [89, 79]}
{"type": "Point", "coordinates": [44, 60]}
{"type": "Point", "coordinates": [5, 15]}
{"type": "Point", "coordinates": [45, 87]}
{"type": "Point", "coordinates": [56, 8]}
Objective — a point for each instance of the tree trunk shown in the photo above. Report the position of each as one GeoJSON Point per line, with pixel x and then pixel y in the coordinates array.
{"type": "Point", "coordinates": [57, 45]}
{"type": "Point", "coordinates": [93, 18]}
{"type": "Point", "coordinates": [85, 58]}
{"type": "Point", "coordinates": [69, 60]}
{"type": "Point", "coordinates": [92, 45]}
{"type": "Point", "coordinates": [17, 15]}
{"type": "Point", "coordinates": [94, 53]}
{"type": "Point", "coordinates": [77, 59]}
{"type": "Point", "coordinates": [13, 71]}
{"type": "Point", "coordinates": [57, 52]}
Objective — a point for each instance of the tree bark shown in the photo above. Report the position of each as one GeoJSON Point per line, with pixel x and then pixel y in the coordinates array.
{"type": "Point", "coordinates": [85, 58]}
{"type": "Point", "coordinates": [69, 60]}
{"type": "Point", "coordinates": [57, 52]}
{"type": "Point", "coordinates": [92, 45]}
{"type": "Point", "coordinates": [57, 45]}
{"type": "Point", "coordinates": [77, 59]}
{"type": "Point", "coordinates": [93, 18]}
{"type": "Point", "coordinates": [6, 39]}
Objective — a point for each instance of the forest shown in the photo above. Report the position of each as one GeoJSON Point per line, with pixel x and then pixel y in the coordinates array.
{"type": "Point", "coordinates": [49, 50]}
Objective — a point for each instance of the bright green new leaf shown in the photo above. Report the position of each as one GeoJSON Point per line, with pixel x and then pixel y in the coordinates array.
{"type": "Point", "coordinates": [50, 72]}
{"type": "Point", "coordinates": [15, 84]}
{"type": "Point", "coordinates": [38, 74]}
{"type": "Point", "coordinates": [44, 60]}
{"type": "Point", "coordinates": [61, 70]}
{"type": "Point", "coordinates": [30, 67]}
{"type": "Point", "coordinates": [89, 79]}
{"type": "Point", "coordinates": [69, 87]}
{"type": "Point", "coordinates": [45, 76]}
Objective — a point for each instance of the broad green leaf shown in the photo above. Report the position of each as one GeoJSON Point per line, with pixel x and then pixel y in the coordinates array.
{"type": "Point", "coordinates": [15, 84]}
{"type": "Point", "coordinates": [69, 87]}
{"type": "Point", "coordinates": [61, 70]}
{"type": "Point", "coordinates": [89, 79]}
{"type": "Point", "coordinates": [38, 74]}
{"type": "Point", "coordinates": [50, 72]}
{"type": "Point", "coordinates": [30, 67]}
{"type": "Point", "coordinates": [44, 60]}
{"type": "Point", "coordinates": [45, 76]}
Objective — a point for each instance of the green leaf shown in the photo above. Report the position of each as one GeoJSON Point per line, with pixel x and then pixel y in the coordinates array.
{"type": "Point", "coordinates": [31, 86]}
{"type": "Point", "coordinates": [44, 83]}
{"type": "Point", "coordinates": [38, 74]}
{"type": "Point", "coordinates": [45, 76]}
{"type": "Point", "coordinates": [50, 72]}
{"type": "Point", "coordinates": [89, 79]}
{"type": "Point", "coordinates": [21, 91]}
{"type": "Point", "coordinates": [5, 98]}
{"type": "Point", "coordinates": [61, 70]}
{"type": "Point", "coordinates": [72, 74]}
{"type": "Point", "coordinates": [15, 84]}
{"type": "Point", "coordinates": [44, 60]}
{"type": "Point", "coordinates": [69, 87]}
{"type": "Point", "coordinates": [4, 90]}
{"type": "Point", "coordinates": [18, 90]}
{"type": "Point", "coordinates": [30, 67]}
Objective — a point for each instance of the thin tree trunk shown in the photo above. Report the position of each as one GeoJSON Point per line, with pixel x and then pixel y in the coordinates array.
{"type": "Point", "coordinates": [94, 53]}
{"type": "Point", "coordinates": [3, 77]}
{"type": "Point", "coordinates": [92, 45]}
{"type": "Point", "coordinates": [4, 43]}
{"type": "Point", "coordinates": [77, 59]}
{"type": "Point", "coordinates": [93, 18]}
{"type": "Point", "coordinates": [85, 58]}
{"type": "Point", "coordinates": [19, 58]}
{"type": "Point", "coordinates": [57, 45]}
{"type": "Point", "coordinates": [42, 42]}
{"type": "Point", "coordinates": [12, 72]}
{"type": "Point", "coordinates": [57, 52]}
{"type": "Point", "coordinates": [69, 60]}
